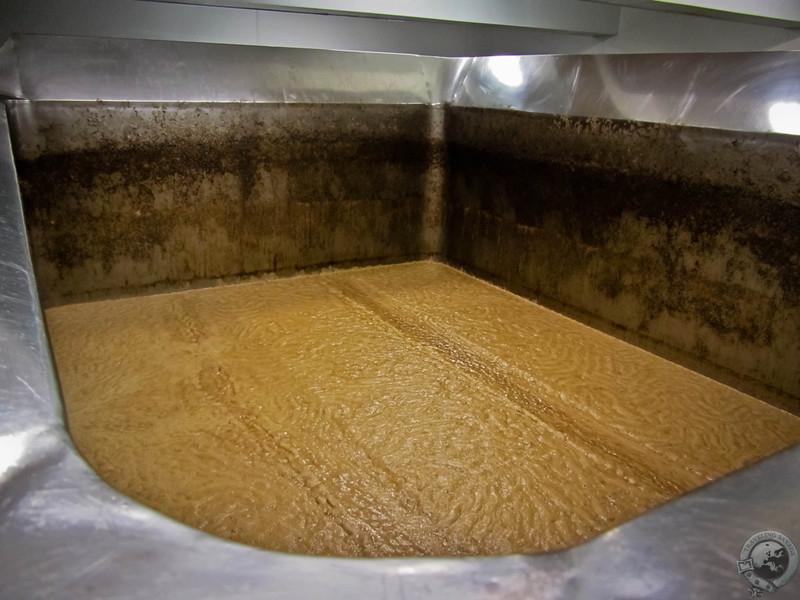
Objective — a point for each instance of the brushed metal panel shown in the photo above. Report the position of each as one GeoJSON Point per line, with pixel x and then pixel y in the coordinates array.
{"type": "Point", "coordinates": [724, 91]}
{"type": "Point", "coordinates": [64, 68]}
{"type": "Point", "coordinates": [565, 15]}
{"type": "Point", "coordinates": [780, 13]}
{"type": "Point", "coordinates": [733, 91]}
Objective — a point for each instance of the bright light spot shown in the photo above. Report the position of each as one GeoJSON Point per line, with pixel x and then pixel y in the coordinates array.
{"type": "Point", "coordinates": [418, 568]}
{"type": "Point", "coordinates": [784, 117]}
{"type": "Point", "coordinates": [507, 70]}
{"type": "Point", "coordinates": [12, 448]}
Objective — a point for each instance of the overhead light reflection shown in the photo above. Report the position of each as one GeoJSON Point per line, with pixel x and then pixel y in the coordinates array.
{"type": "Point", "coordinates": [420, 568]}
{"type": "Point", "coordinates": [507, 70]}
{"type": "Point", "coordinates": [784, 117]}
{"type": "Point", "coordinates": [12, 447]}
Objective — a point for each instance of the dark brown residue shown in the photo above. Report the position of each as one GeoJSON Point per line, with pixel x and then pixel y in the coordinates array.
{"type": "Point", "coordinates": [640, 224]}
{"type": "Point", "coordinates": [182, 194]}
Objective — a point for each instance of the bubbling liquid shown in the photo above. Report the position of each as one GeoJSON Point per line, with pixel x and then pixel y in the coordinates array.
{"type": "Point", "coordinates": [406, 410]}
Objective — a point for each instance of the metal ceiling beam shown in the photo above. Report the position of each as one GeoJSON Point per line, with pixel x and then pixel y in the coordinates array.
{"type": "Point", "coordinates": [569, 16]}
{"type": "Point", "coordinates": [777, 13]}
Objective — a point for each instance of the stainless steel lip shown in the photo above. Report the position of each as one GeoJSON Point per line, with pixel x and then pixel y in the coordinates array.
{"type": "Point", "coordinates": [735, 91]}
{"type": "Point", "coordinates": [65, 534]}
{"type": "Point", "coordinates": [91, 69]}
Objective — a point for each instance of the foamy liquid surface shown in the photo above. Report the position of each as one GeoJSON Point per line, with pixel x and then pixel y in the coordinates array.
{"type": "Point", "coordinates": [408, 410]}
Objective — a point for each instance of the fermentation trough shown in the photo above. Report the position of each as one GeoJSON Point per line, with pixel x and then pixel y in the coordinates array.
{"type": "Point", "coordinates": [653, 197]}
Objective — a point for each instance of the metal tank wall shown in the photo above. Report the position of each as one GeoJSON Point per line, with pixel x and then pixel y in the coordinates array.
{"type": "Point", "coordinates": [240, 161]}
{"type": "Point", "coordinates": [677, 238]}
{"type": "Point", "coordinates": [655, 198]}
{"type": "Point", "coordinates": [121, 199]}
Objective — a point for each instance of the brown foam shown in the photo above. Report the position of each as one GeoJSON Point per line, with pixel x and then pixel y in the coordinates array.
{"type": "Point", "coordinates": [391, 411]}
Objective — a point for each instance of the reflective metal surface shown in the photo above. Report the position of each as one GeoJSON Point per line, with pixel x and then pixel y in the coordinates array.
{"type": "Point", "coordinates": [64, 68]}
{"type": "Point", "coordinates": [723, 91]}
{"type": "Point", "coordinates": [781, 13]}
{"type": "Point", "coordinates": [565, 15]}
{"type": "Point", "coordinates": [9, 73]}
{"type": "Point", "coordinates": [757, 91]}
{"type": "Point", "coordinates": [65, 534]}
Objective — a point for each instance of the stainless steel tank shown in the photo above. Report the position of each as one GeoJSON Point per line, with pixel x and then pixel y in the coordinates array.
{"type": "Point", "coordinates": [695, 155]}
